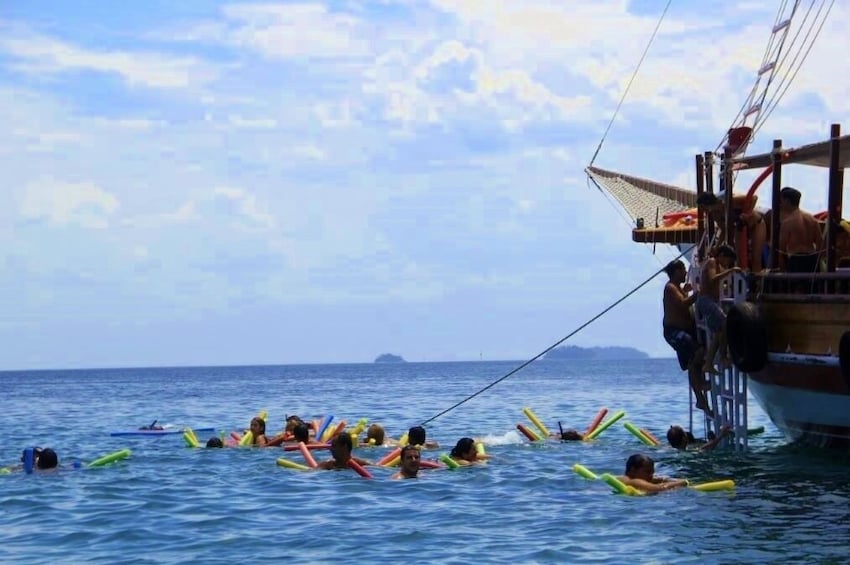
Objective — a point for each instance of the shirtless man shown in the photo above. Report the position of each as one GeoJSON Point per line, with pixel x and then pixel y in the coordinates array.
{"type": "Point", "coordinates": [679, 329]}
{"type": "Point", "coordinates": [410, 458]}
{"type": "Point", "coordinates": [719, 264]}
{"type": "Point", "coordinates": [800, 236]}
{"type": "Point", "coordinates": [757, 235]}
{"type": "Point", "coordinates": [341, 452]}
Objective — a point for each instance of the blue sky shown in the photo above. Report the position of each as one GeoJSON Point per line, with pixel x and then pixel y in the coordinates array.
{"type": "Point", "coordinates": [225, 183]}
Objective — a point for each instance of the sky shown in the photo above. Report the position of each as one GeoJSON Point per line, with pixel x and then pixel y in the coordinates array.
{"type": "Point", "coordinates": [206, 183]}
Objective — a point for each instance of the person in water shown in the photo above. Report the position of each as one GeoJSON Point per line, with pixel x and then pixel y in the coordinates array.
{"type": "Point", "coordinates": [258, 430]}
{"type": "Point", "coordinates": [640, 474]}
{"type": "Point", "coordinates": [680, 439]}
{"type": "Point", "coordinates": [43, 459]}
{"type": "Point", "coordinates": [464, 452]}
{"type": "Point", "coordinates": [417, 436]}
{"type": "Point", "coordinates": [341, 452]}
{"type": "Point", "coordinates": [410, 458]}
{"type": "Point", "coordinates": [680, 330]}
{"type": "Point", "coordinates": [375, 435]}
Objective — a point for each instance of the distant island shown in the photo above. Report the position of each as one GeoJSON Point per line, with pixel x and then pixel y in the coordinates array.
{"type": "Point", "coordinates": [595, 353]}
{"type": "Point", "coordinates": [389, 358]}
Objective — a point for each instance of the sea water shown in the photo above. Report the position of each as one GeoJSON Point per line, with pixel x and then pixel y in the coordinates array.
{"type": "Point", "coordinates": [169, 504]}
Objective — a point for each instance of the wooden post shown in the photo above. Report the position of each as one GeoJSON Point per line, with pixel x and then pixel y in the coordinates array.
{"type": "Point", "coordinates": [728, 232]}
{"type": "Point", "coordinates": [774, 203]}
{"type": "Point", "coordinates": [836, 188]}
{"type": "Point", "coordinates": [700, 162]}
{"type": "Point", "coordinates": [709, 186]}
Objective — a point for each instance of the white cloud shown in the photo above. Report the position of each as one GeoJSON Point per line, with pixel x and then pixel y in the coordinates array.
{"type": "Point", "coordinates": [61, 203]}
{"type": "Point", "coordinates": [44, 55]}
{"type": "Point", "coordinates": [245, 207]}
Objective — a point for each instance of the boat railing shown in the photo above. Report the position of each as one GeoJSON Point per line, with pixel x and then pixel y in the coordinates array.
{"type": "Point", "coordinates": [808, 287]}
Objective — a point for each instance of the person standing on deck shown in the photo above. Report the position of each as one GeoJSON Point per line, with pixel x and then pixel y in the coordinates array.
{"type": "Point", "coordinates": [680, 330]}
{"type": "Point", "coordinates": [800, 236]}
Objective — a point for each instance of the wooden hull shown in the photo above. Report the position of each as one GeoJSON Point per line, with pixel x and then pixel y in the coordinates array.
{"type": "Point", "coordinates": [802, 388]}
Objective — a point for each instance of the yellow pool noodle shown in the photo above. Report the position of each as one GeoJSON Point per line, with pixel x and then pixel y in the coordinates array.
{"type": "Point", "coordinates": [247, 439]}
{"type": "Point", "coordinates": [402, 441]}
{"type": "Point", "coordinates": [292, 464]}
{"type": "Point", "coordinates": [605, 425]}
{"type": "Point", "coordinates": [479, 448]}
{"type": "Point", "coordinates": [191, 433]}
{"type": "Point", "coordinates": [536, 421]}
{"type": "Point", "coordinates": [190, 440]}
{"type": "Point", "coordinates": [638, 434]}
{"type": "Point", "coordinates": [361, 425]}
{"type": "Point", "coordinates": [394, 462]}
{"type": "Point", "coordinates": [584, 472]}
{"type": "Point", "coordinates": [715, 486]}
{"type": "Point", "coordinates": [263, 415]}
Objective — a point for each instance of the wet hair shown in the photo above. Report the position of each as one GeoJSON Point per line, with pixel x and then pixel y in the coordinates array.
{"type": "Point", "coordinates": [791, 195]}
{"type": "Point", "coordinates": [375, 432]}
{"type": "Point", "coordinates": [406, 448]}
{"type": "Point", "coordinates": [726, 250]}
{"type": "Point", "coordinates": [674, 266]}
{"type": "Point", "coordinates": [47, 459]}
{"type": "Point", "coordinates": [571, 435]}
{"type": "Point", "coordinates": [462, 446]}
{"type": "Point", "coordinates": [292, 422]}
{"type": "Point", "coordinates": [215, 442]}
{"type": "Point", "coordinates": [637, 461]}
{"type": "Point", "coordinates": [677, 437]}
{"type": "Point", "coordinates": [262, 424]}
{"type": "Point", "coordinates": [343, 440]}
{"type": "Point", "coordinates": [301, 432]}
{"type": "Point", "coordinates": [416, 435]}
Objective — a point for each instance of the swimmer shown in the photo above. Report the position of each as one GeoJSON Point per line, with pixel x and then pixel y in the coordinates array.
{"type": "Point", "coordinates": [640, 474]}
{"type": "Point", "coordinates": [341, 452]}
{"type": "Point", "coordinates": [680, 439]}
{"type": "Point", "coordinates": [464, 452]}
{"type": "Point", "coordinates": [416, 436]}
{"type": "Point", "coordinates": [410, 458]}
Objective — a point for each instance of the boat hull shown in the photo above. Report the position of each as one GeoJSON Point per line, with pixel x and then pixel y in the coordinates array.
{"type": "Point", "coordinates": [809, 402]}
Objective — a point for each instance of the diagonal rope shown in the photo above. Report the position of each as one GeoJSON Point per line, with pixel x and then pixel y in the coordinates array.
{"type": "Point", "coordinates": [553, 346]}
{"type": "Point", "coordinates": [629, 84]}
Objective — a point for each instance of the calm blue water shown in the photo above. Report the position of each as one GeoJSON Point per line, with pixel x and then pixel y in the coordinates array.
{"type": "Point", "coordinates": [170, 504]}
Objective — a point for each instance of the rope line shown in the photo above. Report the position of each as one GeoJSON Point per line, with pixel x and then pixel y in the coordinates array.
{"type": "Point", "coordinates": [629, 84]}
{"type": "Point", "coordinates": [553, 346]}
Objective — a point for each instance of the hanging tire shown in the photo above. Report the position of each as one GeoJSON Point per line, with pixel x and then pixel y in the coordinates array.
{"type": "Point", "coordinates": [746, 334]}
{"type": "Point", "coordinates": [844, 356]}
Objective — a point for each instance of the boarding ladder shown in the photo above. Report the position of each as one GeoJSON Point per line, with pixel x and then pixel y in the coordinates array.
{"type": "Point", "coordinates": [728, 395]}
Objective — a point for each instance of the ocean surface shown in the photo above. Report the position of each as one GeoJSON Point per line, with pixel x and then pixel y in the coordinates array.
{"type": "Point", "coordinates": [171, 504]}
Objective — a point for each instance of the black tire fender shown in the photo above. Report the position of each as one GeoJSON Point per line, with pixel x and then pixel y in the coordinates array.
{"type": "Point", "coordinates": [746, 333]}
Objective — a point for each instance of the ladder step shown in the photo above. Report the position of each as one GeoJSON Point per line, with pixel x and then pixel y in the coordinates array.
{"type": "Point", "coordinates": [767, 68]}
{"type": "Point", "coordinates": [781, 25]}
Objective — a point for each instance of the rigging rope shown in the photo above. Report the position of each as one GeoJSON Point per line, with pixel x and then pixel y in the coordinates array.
{"type": "Point", "coordinates": [554, 345]}
{"type": "Point", "coordinates": [629, 84]}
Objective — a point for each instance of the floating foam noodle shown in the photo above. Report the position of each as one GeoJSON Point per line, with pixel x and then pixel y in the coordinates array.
{"type": "Point", "coordinates": [402, 441]}
{"type": "Point", "coordinates": [331, 433]}
{"type": "Point", "coordinates": [638, 434]}
{"type": "Point", "coordinates": [308, 457]}
{"type": "Point", "coordinates": [110, 458]}
{"type": "Point", "coordinates": [649, 435]}
{"type": "Point", "coordinates": [479, 449]}
{"type": "Point", "coordinates": [361, 425]}
{"type": "Point", "coordinates": [359, 469]}
{"type": "Point", "coordinates": [715, 486]}
{"type": "Point", "coordinates": [192, 434]}
{"type": "Point", "coordinates": [449, 462]}
{"type": "Point", "coordinates": [619, 486]}
{"type": "Point", "coordinates": [585, 472]}
{"type": "Point", "coordinates": [190, 439]}
{"type": "Point", "coordinates": [386, 459]}
{"type": "Point", "coordinates": [325, 423]}
{"type": "Point", "coordinates": [527, 433]}
{"type": "Point", "coordinates": [595, 422]}
{"type": "Point", "coordinates": [536, 421]}
{"type": "Point", "coordinates": [605, 425]}
{"type": "Point", "coordinates": [29, 459]}
{"type": "Point", "coordinates": [292, 464]}
{"type": "Point", "coordinates": [247, 439]}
